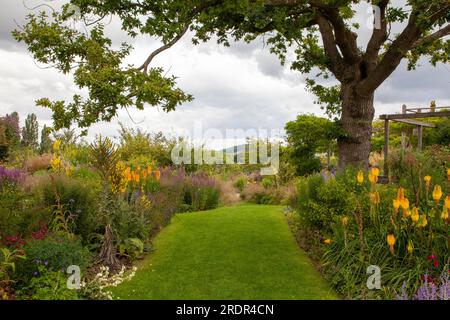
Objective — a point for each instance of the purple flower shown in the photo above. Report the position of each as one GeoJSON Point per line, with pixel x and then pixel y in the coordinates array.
{"type": "Point", "coordinates": [46, 263]}
{"type": "Point", "coordinates": [430, 290]}
{"type": "Point", "coordinates": [35, 273]}
{"type": "Point", "coordinates": [10, 176]}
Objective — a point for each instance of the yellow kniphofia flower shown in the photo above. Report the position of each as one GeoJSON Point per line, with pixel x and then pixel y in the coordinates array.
{"type": "Point", "coordinates": [372, 178]}
{"type": "Point", "coordinates": [427, 180]}
{"type": "Point", "coordinates": [400, 194]}
{"type": "Point", "coordinates": [344, 221]}
{"type": "Point", "coordinates": [327, 241]}
{"type": "Point", "coordinates": [423, 222]}
{"type": "Point", "coordinates": [415, 215]}
{"type": "Point", "coordinates": [437, 193]}
{"type": "Point", "coordinates": [410, 246]}
{"type": "Point", "coordinates": [360, 177]}
{"type": "Point", "coordinates": [404, 203]}
{"type": "Point", "coordinates": [444, 214]}
{"type": "Point", "coordinates": [396, 204]}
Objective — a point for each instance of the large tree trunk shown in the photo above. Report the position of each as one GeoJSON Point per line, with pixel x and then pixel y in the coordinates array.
{"type": "Point", "coordinates": [357, 116]}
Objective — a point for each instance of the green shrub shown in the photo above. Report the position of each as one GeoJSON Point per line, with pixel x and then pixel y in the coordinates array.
{"type": "Point", "coordinates": [320, 203]}
{"type": "Point", "coordinates": [47, 285]}
{"type": "Point", "coordinates": [21, 213]}
{"type": "Point", "coordinates": [268, 182]}
{"type": "Point", "coordinates": [240, 183]}
{"type": "Point", "coordinates": [54, 253]}
{"type": "Point", "coordinates": [78, 199]}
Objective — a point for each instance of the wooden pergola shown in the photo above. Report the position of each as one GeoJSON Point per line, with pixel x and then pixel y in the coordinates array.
{"type": "Point", "coordinates": [407, 116]}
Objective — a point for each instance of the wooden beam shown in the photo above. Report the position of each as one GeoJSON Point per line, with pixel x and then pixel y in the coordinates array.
{"type": "Point", "coordinates": [416, 123]}
{"type": "Point", "coordinates": [386, 147]}
{"type": "Point", "coordinates": [397, 116]}
{"type": "Point", "coordinates": [420, 134]}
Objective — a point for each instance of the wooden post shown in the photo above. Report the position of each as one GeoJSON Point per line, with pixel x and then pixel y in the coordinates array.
{"type": "Point", "coordinates": [386, 147]}
{"type": "Point", "coordinates": [419, 140]}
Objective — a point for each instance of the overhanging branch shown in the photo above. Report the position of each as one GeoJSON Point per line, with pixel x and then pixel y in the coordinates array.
{"type": "Point", "coordinates": [170, 44]}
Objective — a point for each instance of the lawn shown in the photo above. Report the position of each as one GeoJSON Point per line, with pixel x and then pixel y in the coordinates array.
{"type": "Point", "coordinates": [241, 252]}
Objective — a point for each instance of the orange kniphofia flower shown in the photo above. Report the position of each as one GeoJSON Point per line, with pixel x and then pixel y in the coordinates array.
{"type": "Point", "coordinates": [437, 193]}
{"type": "Point", "coordinates": [373, 178]}
{"type": "Point", "coordinates": [157, 175]}
{"type": "Point", "coordinates": [375, 171]}
{"type": "Point", "coordinates": [391, 242]}
{"type": "Point", "coordinates": [149, 169]}
{"type": "Point", "coordinates": [447, 201]}
{"type": "Point", "coordinates": [327, 241]}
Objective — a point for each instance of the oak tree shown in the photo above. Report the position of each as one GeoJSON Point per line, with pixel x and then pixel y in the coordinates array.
{"type": "Point", "coordinates": [319, 31]}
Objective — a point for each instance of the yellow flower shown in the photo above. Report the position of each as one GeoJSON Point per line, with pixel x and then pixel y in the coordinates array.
{"type": "Point", "coordinates": [396, 204]}
{"type": "Point", "coordinates": [423, 221]}
{"type": "Point", "coordinates": [410, 246]}
{"type": "Point", "coordinates": [406, 213]}
{"type": "Point", "coordinates": [56, 162]}
{"type": "Point", "coordinates": [344, 221]}
{"type": "Point", "coordinates": [391, 241]}
{"type": "Point", "coordinates": [404, 203]}
{"type": "Point", "coordinates": [327, 241]}
{"type": "Point", "coordinates": [415, 215]}
{"type": "Point", "coordinates": [360, 177]}
{"type": "Point", "coordinates": [427, 183]}
{"type": "Point", "coordinates": [149, 170]}
{"type": "Point", "coordinates": [375, 171]}
{"type": "Point", "coordinates": [437, 193]}
{"type": "Point", "coordinates": [69, 171]}
{"type": "Point", "coordinates": [447, 201]}
{"type": "Point", "coordinates": [375, 197]}
{"type": "Point", "coordinates": [56, 145]}
{"type": "Point", "coordinates": [373, 178]}
{"type": "Point", "coordinates": [400, 194]}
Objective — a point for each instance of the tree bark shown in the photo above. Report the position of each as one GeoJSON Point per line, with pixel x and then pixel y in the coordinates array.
{"type": "Point", "coordinates": [356, 121]}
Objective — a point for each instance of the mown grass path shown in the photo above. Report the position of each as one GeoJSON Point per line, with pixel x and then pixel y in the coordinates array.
{"type": "Point", "coordinates": [241, 252]}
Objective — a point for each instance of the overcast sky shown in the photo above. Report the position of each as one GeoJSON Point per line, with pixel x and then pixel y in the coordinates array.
{"type": "Point", "coordinates": [242, 87]}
